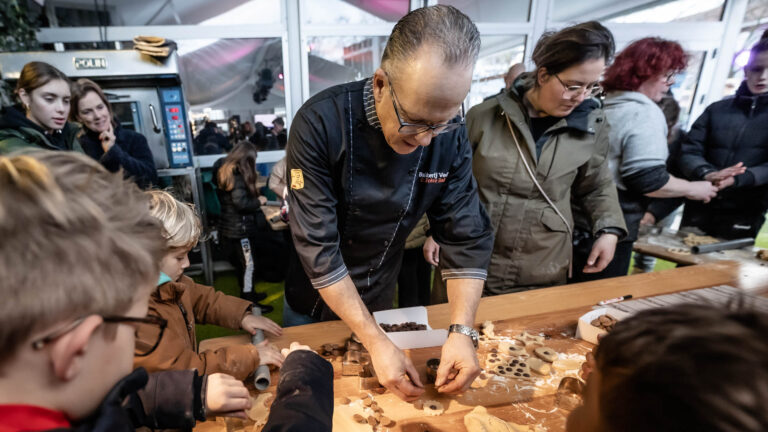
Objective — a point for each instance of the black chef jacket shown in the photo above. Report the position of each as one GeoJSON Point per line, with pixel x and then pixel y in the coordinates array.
{"type": "Point", "coordinates": [353, 201]}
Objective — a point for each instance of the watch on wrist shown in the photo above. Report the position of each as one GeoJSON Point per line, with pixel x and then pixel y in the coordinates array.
{"type": "Point", "coordinates": [465, 330]}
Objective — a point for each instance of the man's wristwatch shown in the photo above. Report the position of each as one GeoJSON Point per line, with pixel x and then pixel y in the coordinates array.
{"type": "Point", "coordinates": [465, 330]}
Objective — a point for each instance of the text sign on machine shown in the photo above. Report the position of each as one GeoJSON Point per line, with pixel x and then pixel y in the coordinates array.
{"type": "Point", "coordinates": [90, 63]}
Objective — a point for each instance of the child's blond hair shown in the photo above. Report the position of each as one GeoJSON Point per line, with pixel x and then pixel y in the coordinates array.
{"type": "Point", "coordinates": [181, 225]}
{"type": "Point", "coordinates": [75, 240]}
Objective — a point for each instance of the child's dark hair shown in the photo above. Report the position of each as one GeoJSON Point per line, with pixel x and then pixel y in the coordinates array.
{"type": "Point", "coordinates": [686, 368]}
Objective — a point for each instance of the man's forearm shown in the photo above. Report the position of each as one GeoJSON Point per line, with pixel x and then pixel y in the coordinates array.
{"type": "Point", "coordinates": [344, 300]}
{"type": "Point", "coordinates": [463, 297]}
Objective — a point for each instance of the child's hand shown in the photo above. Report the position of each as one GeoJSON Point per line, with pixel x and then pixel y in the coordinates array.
{"type": "Point", "coordinates": [295, 346]}
{"type": "Point", "coordinates": [251, 323]}
{"type": "Point", "coordinates": [268, 354]}
{"type": "Point", "coordinates": [226, 396]}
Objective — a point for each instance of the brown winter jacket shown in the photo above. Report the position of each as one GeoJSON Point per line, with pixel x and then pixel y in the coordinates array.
{"type": "Point", "coordinates": [184, 304]}
{"type": "Point", "coordinates": [532, 246]}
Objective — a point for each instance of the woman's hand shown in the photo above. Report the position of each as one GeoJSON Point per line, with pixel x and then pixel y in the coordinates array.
{"type": "Point", "coordinates": [107, 138]}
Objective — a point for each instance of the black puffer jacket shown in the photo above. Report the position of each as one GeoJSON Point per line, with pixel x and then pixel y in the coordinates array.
{"type": "Point", "coordinates": [730, 131]}
{"type": "Point", "coordinates": [241, 214]}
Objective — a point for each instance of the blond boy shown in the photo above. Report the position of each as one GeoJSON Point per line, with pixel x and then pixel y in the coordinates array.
{"type": "Point", "coordinates": [78, 258]}
{"type": "Point", "coordinates": [183, 303]}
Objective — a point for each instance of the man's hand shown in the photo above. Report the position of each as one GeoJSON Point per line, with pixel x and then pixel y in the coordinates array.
{"type": "Point", "coordinates": [702, 191]}
{"type": "Point", "coordinates": [251, 323]}
{"type": "Point", "coordinates": [602, 253]}
{"type": "Point", "coordinates": [648, 219]}
{"type": "Point", "coordinates": [107, 138]}
{"type": "Point", "coordinates": [394, 370]}
{"type": "Point", "coordinates": [226, 396]}
{"type": "Point", "coordinates": [722, 184]}
{"type": "Point", "coordinates": [458, 365]}
{"type": "Point", "coordinates": [431, 251]}
{"type": "Point", "coordinates": [725, 173]}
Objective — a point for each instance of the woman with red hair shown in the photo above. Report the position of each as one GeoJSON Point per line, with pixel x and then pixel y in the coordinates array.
{"type": "Point", "coordinates": [635, 82]}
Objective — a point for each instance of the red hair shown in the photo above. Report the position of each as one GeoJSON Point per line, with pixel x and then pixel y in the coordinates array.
{"type": "Point", "coordinates": [642, 60]}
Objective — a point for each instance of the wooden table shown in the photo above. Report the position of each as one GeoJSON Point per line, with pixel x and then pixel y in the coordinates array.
{"type": "Point", "coordinates": [668, 246]}
{"type": "Point", "coordinates": [551, 311]}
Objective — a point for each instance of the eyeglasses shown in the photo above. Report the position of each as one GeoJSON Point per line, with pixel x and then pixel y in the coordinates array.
{"type": "Point", "coordinates": [148, 330]}
{"type": "Point", "coordinates": [415, 128]}
{"type": "Point", "coordinates": [670, 79]}
{"type": "Point", "coordinates": [580, 90]}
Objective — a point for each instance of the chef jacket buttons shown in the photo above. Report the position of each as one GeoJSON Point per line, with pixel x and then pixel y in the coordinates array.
{"type": "Point", "coordinates": [386, 242]}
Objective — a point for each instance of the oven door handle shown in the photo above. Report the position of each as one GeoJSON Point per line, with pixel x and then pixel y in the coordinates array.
{"type": "Point", "coordinates": [155, 126]}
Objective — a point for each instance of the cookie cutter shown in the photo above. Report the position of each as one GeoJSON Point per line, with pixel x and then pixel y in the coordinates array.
{"type": "Point", "coordinates": [367, 378]}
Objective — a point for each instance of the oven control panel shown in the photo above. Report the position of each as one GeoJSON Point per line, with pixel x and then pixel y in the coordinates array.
{"type": "Point", "coordinates": [176, 130]}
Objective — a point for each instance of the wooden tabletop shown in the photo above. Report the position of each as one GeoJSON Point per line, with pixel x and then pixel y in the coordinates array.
{"type": "Point", "coordinates": [552, 312]}
{"type": "Point", "coordinates": [669, 246]}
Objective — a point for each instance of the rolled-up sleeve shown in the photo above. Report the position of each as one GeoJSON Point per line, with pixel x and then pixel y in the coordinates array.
{"type": "Point", "coordinates": [312, 200]}
{"type": "Point", "coordinates": [459, 222]}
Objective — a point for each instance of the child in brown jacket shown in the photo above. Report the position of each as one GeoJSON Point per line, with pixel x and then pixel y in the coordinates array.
{"type": "Point", "coordinates": [183, 303]}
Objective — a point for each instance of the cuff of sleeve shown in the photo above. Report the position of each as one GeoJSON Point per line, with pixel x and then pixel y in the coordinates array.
{"type": "Point", "coordinates": [701, 171]}
{"type": "Point", "coordinates": [618, 232]}
{"type": "Point", "coordinates": [745, 180]}
{"type": "Point", "coordinates": [200, 389]}
{"type": "Point", "coordinates": [464, 273]}
{"type": "Point", "coordinates": [330, 278]}
{"type": "Point", "coordinates": [111, 159]}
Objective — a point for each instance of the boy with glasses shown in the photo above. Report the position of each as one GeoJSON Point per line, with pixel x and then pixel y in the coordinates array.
{"type": "Point", "coordinates": [79, 256]}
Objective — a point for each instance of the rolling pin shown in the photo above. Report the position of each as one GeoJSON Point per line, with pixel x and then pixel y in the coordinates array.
{"type": "Point", "coordinates": [262, 378]}
{"type": "Point", "coordinates": [721, 246]}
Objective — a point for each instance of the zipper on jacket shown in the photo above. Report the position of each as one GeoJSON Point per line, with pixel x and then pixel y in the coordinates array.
{"type": "Point", "coordinates": [186, 321]}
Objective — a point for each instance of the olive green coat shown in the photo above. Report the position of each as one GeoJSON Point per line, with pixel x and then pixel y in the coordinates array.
{"type": "Point", "coordinates": [533, 248]}
{"type": "Point", "coordinates": [15, 134]}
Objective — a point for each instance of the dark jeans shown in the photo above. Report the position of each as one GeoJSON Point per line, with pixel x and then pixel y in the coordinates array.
{"type": "Point", "coordinates": [413, 279]}
{"type": "Point", "coordinates": [619, 266]}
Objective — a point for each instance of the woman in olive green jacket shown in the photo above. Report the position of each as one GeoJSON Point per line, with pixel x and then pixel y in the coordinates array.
{"type": "Point", "coordinates": [41, 120]}
{"type": "Point", "coordinates": [539, 146]}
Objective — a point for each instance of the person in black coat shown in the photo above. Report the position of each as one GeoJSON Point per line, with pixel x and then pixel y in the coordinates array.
{"type": "Point", "coordinates": [728, 145]}
{"type": "Point", "coordinates": [103, 139]}
{"type": "Point", "coordinates": [254, 249]}
{"type": "Point", "coordinates": [210, 141]}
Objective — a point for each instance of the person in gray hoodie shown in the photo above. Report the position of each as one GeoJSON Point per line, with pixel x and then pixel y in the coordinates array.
{"type": "Point", "coordinates": [635, 82]}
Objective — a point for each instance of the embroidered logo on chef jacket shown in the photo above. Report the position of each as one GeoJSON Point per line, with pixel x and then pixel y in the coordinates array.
{"type": "Point", "coordinates": [297, 179]}
{"type": "Point", "coordinates": [432, 177]}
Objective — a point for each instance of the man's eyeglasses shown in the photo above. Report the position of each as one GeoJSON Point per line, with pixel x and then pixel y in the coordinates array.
{"type": "Point", "coordinates": [588, 90]}
{"type": "Point", "coordinates": [149, 331]}
{"type": "Point", "coordinates": [415, 128]}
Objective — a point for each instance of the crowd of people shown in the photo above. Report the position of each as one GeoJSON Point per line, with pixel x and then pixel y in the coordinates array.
{"type": "Point", "coordinates": [546, 182]}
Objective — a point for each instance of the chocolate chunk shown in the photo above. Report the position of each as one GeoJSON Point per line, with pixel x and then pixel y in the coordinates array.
{"type": "Point", "coordinates": [386, 421]}
{"type": "Point", "coordinates": [372, 421]}
{"type": "Point", "coordinates": [358, 418]}
{"type": "Point", "coordinates": [517, 374]}
{"type": "Point", "coordinates": [344, 401]}
{"type": "Point", "coordinates": [527, 375]}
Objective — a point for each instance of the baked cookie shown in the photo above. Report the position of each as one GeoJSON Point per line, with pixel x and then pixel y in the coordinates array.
{"type": "Point", "coordinates": [546, 353]}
